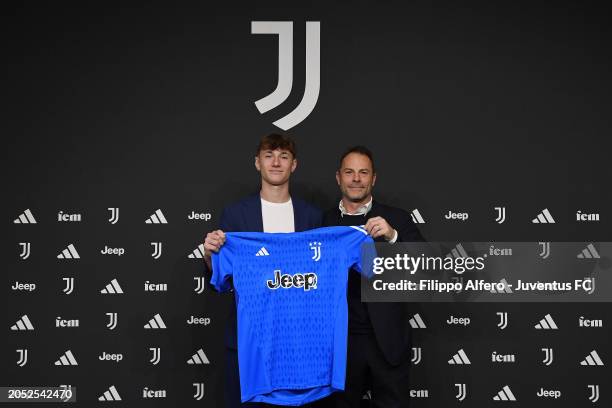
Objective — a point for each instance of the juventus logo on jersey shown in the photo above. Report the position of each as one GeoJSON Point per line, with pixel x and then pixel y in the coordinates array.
{"type": "Point", "coordinates": [316, 248]}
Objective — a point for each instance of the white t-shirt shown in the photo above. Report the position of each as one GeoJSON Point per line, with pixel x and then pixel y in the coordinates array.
{"type": "Point", "coordinates": [277, 217]}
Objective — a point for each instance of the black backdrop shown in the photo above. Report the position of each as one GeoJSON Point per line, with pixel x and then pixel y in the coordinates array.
{"type": "Point", "coordinates": [147, 107]}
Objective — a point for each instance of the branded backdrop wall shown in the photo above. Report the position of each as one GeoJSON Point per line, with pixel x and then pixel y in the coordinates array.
{"type": "Point", "coordinates": [152, 108]}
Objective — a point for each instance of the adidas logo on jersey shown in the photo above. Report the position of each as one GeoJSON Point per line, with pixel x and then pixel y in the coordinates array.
{"type": "Point", "coordinates": [299, 280]}
{"type": "Point", "coordinates": [262, 252]}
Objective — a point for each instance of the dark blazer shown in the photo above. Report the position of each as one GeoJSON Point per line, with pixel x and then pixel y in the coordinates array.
{"type": "Point", "coordinates": [245, 216]}
{"type": "Point", "coordinates": [389, 320]}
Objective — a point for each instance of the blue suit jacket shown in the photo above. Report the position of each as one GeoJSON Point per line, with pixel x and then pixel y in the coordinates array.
{"type": "Point", "coordinates": [245, 216]}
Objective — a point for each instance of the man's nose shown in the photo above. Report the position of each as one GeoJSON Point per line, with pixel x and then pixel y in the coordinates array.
{"type": "Point", "coordinates": [276, 161]}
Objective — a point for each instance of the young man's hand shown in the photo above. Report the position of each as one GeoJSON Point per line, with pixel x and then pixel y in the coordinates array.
{"type": "Point", "coordinates": [212, 243]}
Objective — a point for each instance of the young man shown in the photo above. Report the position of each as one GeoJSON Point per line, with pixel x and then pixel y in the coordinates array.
{"type": "Point", "coordinates": [272, 209]}
{"type": "Point", "coordinates": [378, 355]}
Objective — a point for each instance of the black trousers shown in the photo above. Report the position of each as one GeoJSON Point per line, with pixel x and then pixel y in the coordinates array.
{"type": "Point", "coordinates": [368, 370]}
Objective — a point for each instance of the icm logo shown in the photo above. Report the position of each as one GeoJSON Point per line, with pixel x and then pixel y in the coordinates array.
{"type": "Point", "coordinates": [62, 217]}
{"type": "Point", "coordinates": [494, 251]}
{"type": "Point", "coordinates": [582, 322]}
{"type": "Point", "coordinates": [59, 322]}
{"type": "Point", "coordinates": [580, 217]}
{"type": "Point", "coordinates": [502, 358]}
{"type": "Point", "coordinates": [155, 287]}
{"type": "Point", "coordinates": [419, 393]}
{"type": "Point", "coordinates": [284, 30]}
{"type": "Point", "coordinates": [147, 393]}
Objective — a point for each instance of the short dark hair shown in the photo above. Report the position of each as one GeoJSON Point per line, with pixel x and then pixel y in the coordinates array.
{"type": "Point", "coordinates": [361, 150]}
{"type": "Point", "coordinates": [275, 141]}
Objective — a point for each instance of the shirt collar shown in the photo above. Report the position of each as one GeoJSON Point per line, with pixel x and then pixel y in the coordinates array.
{"type": "Point", "coordinates": [363, 210]}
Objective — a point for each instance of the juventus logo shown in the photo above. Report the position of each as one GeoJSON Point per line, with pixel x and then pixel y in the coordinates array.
{"type": "Point", "coordinates": [199, 393]}
{"type": "Point", "coordinates": [545, 250]}
{"type": "Point", "coordinates": [589, 284]}
{"type": "Point", "coordinates": [156, 355]}
{"type": "Point", "coordinates": [316, 247]}
{"type": "Point", "coordinates": [69, 285]}
{"type": "Point", "coordinates": [23, 357]}
{"type": "Point", "coordinates": [416, 355]}
{"type": "Point", "coordinates": [462, 392]}
{"type": "Point", "coordinates": [67, 393]}
{"type": "Point", "coordinates": [284, 30]}
{"type": "Point", "coordinates": [501, 215]}
{"type": "Point", "coordinates": [25, 250]}
{"type": "Point", "coordinates": [548, 356]}
{"type": "Point", "coordinates": [112, 321]}
{"type": "Point", "coordinates": [157, 249]}
{"type": "Point", "coordinates": [594, 397]}
{"type": "Point", "coordinates": [503, 320]}
{"type": "Point", "coordinates": [114, 215]}
{"type": "Point", "coordinates": [199, 284]}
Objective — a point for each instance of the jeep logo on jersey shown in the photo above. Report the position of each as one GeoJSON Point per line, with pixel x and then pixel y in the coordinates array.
{"type": "Point", "coordinates": [299, 280]}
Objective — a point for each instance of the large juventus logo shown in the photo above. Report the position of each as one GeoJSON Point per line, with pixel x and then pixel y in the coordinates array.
{"type": "Point", "coordinates": [284, 29]}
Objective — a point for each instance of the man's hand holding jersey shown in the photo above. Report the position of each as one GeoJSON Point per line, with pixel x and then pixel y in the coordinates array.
{"type": "Point", "coordinates": [212, 243]}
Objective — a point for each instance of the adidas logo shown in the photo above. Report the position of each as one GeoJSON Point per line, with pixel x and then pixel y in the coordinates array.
{"type": "Point", "coordinates": [547, 323]}
{"type": "Point", "coordinates": [198, 358]}
{"type": "Point", "coordinates": [460, 358]}
{"type": "Point", "coordinates": [457, 252]}
{"type": "Point", "coordinates": [155, 323]}
{"type": "Point", "coordinates": [262, 252]}
{"type": "Point", "coordinates": [592, 360]}
{"type": "Point", "coordinates": [417, 218]}
{"type": "Point", "coordinates": [505, 395]}
{"type": "Point", "coordinates": [544, 218]}
{"type": "Point", "coordinates": [69, 253]}
{"type": "Point", "coordinates": [110, 395]}
{"type": "Point", "coordinates": [67, 359]}
{"type": "Point", "coordinates": [25, 217]}
{"type": "Point", "coordinates": [197, 253]}
{"type": "Point", "coordinates": [112, 288]}
{"type": "Point", "coordinates": [506, 287]}
{"type": "Point", "coordinates": [589, 253]}
{"type": "Point", "coordinates": [157, 218]}
{"type": "Point", "coordinates": [417, 323]}
{"type": "Point", "coordinates": [23, 324]}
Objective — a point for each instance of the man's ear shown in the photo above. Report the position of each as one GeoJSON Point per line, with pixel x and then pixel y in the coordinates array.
{"type": "Point", "coordinates": [373, 179]}
{"type": "Point", "coordinates": [293, 165]}
{"type": "Point", "coordinates": [257, 165]}
{"type": "Point", "coordinates": [338, 177]}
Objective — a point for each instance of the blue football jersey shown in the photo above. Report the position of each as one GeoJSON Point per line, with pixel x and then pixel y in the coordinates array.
{"type": "Point", "coordinates": [290, 291]}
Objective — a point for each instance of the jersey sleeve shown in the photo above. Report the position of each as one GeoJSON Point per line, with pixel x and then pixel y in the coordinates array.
{"type": "Point", "coordinates": [354, 240]}
{"type": "Point", "coordinates": [223, 266]}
